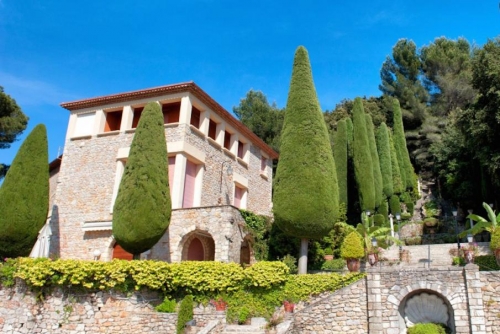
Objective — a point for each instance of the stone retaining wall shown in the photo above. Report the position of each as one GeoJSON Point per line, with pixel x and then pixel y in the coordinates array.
{"type": "Point", "coordinates": [22, 312]}
{"type": "Point", "coordinates": [491, 300]}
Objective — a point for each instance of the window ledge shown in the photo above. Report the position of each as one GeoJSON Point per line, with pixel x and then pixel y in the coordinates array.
{"type": "Point", "coordinates": [81, 137]}
{"type": "Point", "coordinates": [109, 133]}
{"type": "Point", "coordinates": [264, 176]}
{"type": "Point", "coordinates": [196, 130]}
{"type": "Point", "coordinates": [213, 142]}
{"type": "Point", "coordinates": [171, 125]}
{"type": "Point", "coordinates": [229, 153]}
{"type": "Point", "coordinates": [130, 130]}
{"type": "Point", "coordinates": [242, 162]}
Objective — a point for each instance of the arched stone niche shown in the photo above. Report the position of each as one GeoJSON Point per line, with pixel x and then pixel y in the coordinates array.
{"type": "Point", "coordinates": [203, 242]}
{"type": "Point", "coordinates": [425, 306]}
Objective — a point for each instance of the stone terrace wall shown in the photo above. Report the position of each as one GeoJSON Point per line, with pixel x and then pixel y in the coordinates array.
{"type": "Point", "coordinates": [491, 300]}
{"type": "Point", "coordinates": [342, 312]}
{"type": "Point", "coordinates": [63, 313]}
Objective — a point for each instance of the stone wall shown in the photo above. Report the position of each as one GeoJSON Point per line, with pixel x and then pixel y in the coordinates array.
{"type": "Point", "coordinates": [342, 312]}
{"type": "Point", "coordinates": [72, 313]}
{"type": "Point", "coordinates": [491, 299]}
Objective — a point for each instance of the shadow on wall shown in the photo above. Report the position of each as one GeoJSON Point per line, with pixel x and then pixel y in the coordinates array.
{"type": "Point", "coordinates": [55, 240]}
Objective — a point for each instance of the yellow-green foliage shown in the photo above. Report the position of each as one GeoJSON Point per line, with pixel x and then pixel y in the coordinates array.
{"type": "Point", "coordinates": [352, 247]}
{"type": "Point", "coordinates": [495, 239]}
{"type": "Point", "coordinates": [254, 291]}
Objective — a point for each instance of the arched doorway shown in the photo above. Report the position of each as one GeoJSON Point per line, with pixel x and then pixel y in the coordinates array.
{"type": "Point", "coordinates": [120, 253]}
{"type": "Point", "coordinates": [246, 251]}
{"type": "Point", "coordinates": [198, 246]}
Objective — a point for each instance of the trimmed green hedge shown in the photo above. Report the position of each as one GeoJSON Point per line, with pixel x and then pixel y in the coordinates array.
{"type": "Point", "coordinates": [253, 291]}
{"type": "Point", "coordinates": [486, 263]}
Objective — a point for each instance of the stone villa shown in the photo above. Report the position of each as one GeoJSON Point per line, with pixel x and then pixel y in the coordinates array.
{"type": "Point", "coordinates": [216, 166]}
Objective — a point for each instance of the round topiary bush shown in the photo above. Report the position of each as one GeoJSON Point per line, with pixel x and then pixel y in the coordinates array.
{"type": "Point", "coordinates": [495, 239]}
{"type": "Point", "coordinates": [428, 328]}
{"type": "Point", "coordinates": [352, 247]}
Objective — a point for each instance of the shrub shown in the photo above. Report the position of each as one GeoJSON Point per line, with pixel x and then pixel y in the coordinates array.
{"type": "Point", "coordinates": [458, 261]}
{"type": "Point", "coordinates": [428, 328]}
{"type": "Point", "coordinates": [486, 262]}
{"type": "Point", "coordinates": [185, 313]}
{"type": "Point", "coordinates": [335, 264]}
{"type": "Point", "coordinates": [378, 219]}
{"type": "Point", "coordinates": [352, 247]}
{"type": "Point", "coordinates": [167, 306]}
{"type": "Point", "coordinates": [495, 239]}
{"type": "Point", "coordinates": [394, 204]}
{"type": "Point", "coordinates": [291, 263]}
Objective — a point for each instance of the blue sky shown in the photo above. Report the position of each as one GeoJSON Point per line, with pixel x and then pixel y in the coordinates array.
{"type": "Point", "coordinates": [58, 51]}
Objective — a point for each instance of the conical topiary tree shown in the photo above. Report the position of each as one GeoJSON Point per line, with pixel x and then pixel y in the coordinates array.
{"type": "Point", "coordinates": [340, 157]}
{"type": "Point", "coordinates": [143, 206]}
{"type": "Point", "coordinates": [397, 182]}
{"type": "Point", "coordinates": [377, 175]}
{"type": "Point", "coordinates": [362, 158]}
{"type": "Point", "coordinates": [350, 136]}
{"type": "Point", "coordinates": [24, 196]}
{"type": "Point", "coordinates": [384, 153]}
{"type": "Point", "coordinates": [305, 191]}
{"type": "Point", "coordinates": [407, 174]}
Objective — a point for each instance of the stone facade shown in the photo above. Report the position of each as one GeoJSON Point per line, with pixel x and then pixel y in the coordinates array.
{"type": "Point", "coordinates": [94, 160]}
{"type": "Point", "coordinates": [491, 300]}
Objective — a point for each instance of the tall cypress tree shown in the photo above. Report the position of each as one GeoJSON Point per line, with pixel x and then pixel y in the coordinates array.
{"type": "Point", "coordinates": [350, 136]}
{"type": "Point", "coordinates": [142, 210]}
{"type": "Point", "coordinates": [396, 171]}
{"type": "Point", "coordinates": [401, 148]}
{"type": "Point", "coordinates": [384, 153]}
{"type": "Point", "coordinates": [340, 157]}
{"type": "Point", "coordinates": [24, 196]}
{"type": "Point", "coordinates": [377, 175]}
{"type": "Point", "coordinates": [305, 191]}
{"type": "Point", "coordinates": [362, 158]}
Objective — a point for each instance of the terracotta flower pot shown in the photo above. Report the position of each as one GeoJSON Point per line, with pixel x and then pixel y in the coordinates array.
{"type": "Point", "coordinates": [469, 256]}
{"type": "Point", "coordinates": [372, 259]}
{"type": "Point", "coordinates": [353, 265]}
{"type": "Point", "coordinates": [497, 255]}
{"type": "Point", "coordinates": [289, 306]}
{"type": "Point", "coordinates": [328, 257]}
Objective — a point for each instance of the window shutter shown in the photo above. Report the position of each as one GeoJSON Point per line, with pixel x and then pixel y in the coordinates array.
{"type": "Point", "coordinates": [189, 183]}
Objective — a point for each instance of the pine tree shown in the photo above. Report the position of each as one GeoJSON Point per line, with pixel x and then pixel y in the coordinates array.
{"type": "Point", "coordinates": [362, 158]}
{"type": "Point", "coordinates": [377, 175]}
{"type": "Point", "coordinates": [142, 210]}
{"type": "Point", "coordinates": [407, 174]}
{"type": "Point", "coordinates": [305, 193]}
{"type": "Point", "coordinates": [384, 153]}
{"type": "Point", "coordinates": [340, 157]}
{"type": "Point", "coordinates": [24, 196]}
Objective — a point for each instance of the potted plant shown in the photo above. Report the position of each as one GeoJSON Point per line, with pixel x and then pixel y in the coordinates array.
{"type": "Point", "coordinates": [328, 254]}
{"type": "Point", "coordinates": [289, 306]}
{"type": "Point", "coordinates": [352, 250]}
{"type": "Point", "coordinates": [469, 252]}
{"type": "Point", "coordinates": [220, 304]}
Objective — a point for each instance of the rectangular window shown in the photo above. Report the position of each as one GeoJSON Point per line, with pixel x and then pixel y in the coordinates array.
{"type": "Point", "coordinates": [137, 116]}
{"type": "Point", "coordinates": [189, 184]}
{"type": "Point", "coordinates": [238, 196]}
{"type": "Point", "coordinates": [171, 169]}
{"type": "Point", "coordinates": [212, 130]}
{"type": "Point", "coordinates": [263, 164]}
{"type": "Point", "coordinates": [195, 117]}
{"type": "Point", "coordinates": [171, 112]}
{"type": "Point", "coordinates": [227, 140]}
{"type": "Point", "coordinates": [84, 125]}
{"type": "Point", "coordinates": [113, 120]}
{"type": "Point", "coordinates": [241, 152]}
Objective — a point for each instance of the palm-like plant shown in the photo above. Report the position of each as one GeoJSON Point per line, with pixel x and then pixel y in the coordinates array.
{"type": "Point", "coordinates": [368, 231]}
{"type": "Point", "coordinates": [483, 224]}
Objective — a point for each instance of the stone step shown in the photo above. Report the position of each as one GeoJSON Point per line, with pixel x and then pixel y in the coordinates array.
{"type": "Point", "coordinates": [247, 329]}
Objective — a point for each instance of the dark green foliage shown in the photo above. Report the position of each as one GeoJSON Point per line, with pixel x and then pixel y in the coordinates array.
{"type": "Point", "coordinates": [350, 135]}
{"type": "Point", "coordinates": [335, 264]}
{"type": "Point", "coordinates": [384, 153]}
{"type": "Point", "coordinates": [340, 156]}
{"type": "Point", "coordinates": [263, 119]}
{"type": "Point", "coordinates": [362, 159]}
{"type": "Point", "coordinates": [394, 204]}
{"type": "Point", "coordinates": [305, 190]}
{"type": "Point", "coordinates": [259, 227]}
{"type": "Point", "coordinates": [379, 219]}
{"type": "Point", "coordinates": [24, 196]}
{"type": "Point", "coordinates": [167, 306]}
{"type": "Point", "coordinates": [12, 120]}
{"type": "Point", "coordinates": [401, 149]}
{"type": "Point", "coordinates": [428, 328]}
{"type": "Point", "coordinates": [397, 182]}
{"type": "Point", "coordinates": [143, 206]}
{"type": "Point", "coordinates": [377, 175]}
{"type": "Point", "coordinates": [185, 313]}
{"type": "Point", "coordinates": [486, 262]}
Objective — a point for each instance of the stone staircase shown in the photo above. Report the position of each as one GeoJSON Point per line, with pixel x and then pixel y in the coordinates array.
{"type": "Point", "coordinates": [257, 326]}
